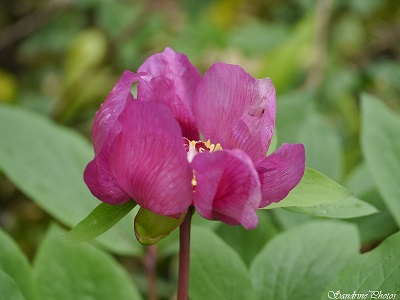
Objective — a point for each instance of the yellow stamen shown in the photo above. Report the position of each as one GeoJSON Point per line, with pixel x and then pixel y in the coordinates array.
{"type": "Point", "coordinates": [213, 147]}
{"type": "Point", "coordinates": [192, 151]}
{"type": "Point", "coordinates": [194, 182]}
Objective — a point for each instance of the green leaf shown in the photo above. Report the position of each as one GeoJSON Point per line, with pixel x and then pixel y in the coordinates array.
{"type": "Point", "coordinates": [293, 109]}
{"type": "Point", "coordinates": [378, 270]}
{"type": "Point", "coordinates": [323, 146]}
{"type": "Point", "coordinates": [101, 219]}
{"type": "Point", "coordinates": [378, 226]}
{"type": "Point", "coordinates": [216, 270]}
{"type": "Point", "coordinates": [299, 263]}
{"type": "Point", "coordinates": [313, 189]}
{"type": "Point", "coordinates": [247, 243]}
{"type": "Point", "coordinates": [360, 181]}
{"type": "Point", "coordinates": [46, 162]}
{"type": "Point", "coordinates": [349, 208]}
{"type": "Point", "coordinates": [9, 289]}
{"type": "Point", "coordinates": [286, 219]}
{"type": "Point", "coordinates": [380, 144]}
{"type": "Point", "coordinates": [150, 228]}
{"type": "Point", "coordinates": [79, 271]}
{"type": "Point", "coordinates": [14, 264]}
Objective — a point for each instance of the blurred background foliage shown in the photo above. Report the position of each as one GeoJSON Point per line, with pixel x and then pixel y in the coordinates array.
{"type": "Point", "coordinates": [60, 58]}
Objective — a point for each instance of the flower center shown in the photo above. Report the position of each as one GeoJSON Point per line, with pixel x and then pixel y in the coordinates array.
{"type": "Point", "coordinates": [194, 147]}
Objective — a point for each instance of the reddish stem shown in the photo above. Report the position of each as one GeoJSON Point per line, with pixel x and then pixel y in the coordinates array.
{"type": "Point", "coordinates": [150, 262]}
{"type": "Point", "coordinates": [184, 257]}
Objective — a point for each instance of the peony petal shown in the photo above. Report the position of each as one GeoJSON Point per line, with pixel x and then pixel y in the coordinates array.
{"type": "Point", "coordinates": [148, 159]}
{"type": "Point", "coordinates": [280, 172]}
{"type": "Point", "coordinates": [105, 127]}
{"type": "Point", "coordinates": [174, 82]}
{"type": "Point", "coordinates": [236, 110]}
{"type": "Point", "coordinates": [100, 182]}
{"type": "Point", "coordinates": [104, 124]}
{"type": "Point", "coordinates": [227, 187]}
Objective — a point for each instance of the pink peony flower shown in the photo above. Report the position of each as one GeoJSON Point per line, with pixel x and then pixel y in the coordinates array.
{"type": "Point", "coordinates": [149, 149]}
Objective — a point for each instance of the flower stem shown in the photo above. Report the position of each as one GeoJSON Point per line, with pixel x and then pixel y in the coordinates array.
{"type": "Point", "coordinates": [184, 256]}
{"type": "Point", "coordinates": [150, 262]}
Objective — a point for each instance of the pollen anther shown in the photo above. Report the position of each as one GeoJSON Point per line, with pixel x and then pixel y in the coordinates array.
{"type": "Point", "coordinates": [195, 147]}
{"type": "Point", "coordinates": [213, 147]}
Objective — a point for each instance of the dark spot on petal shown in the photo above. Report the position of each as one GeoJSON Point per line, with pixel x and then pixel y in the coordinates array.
{"type": "Point", "coordinates": [256, 112]}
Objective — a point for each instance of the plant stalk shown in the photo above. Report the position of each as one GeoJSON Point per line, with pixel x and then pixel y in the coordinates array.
{"type": "Point", "coordinates": [150, 262]}
{"type": "Point", "coordinates": [184, 256]}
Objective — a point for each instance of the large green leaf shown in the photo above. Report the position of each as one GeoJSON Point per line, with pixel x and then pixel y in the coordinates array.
{"type": "Point", "coordinates": [14, 264]}
{"type": "Point", "coordinates": [360, 181]}
{"type": "Point", "coordinates": [378, 226]}
{"type": "Point", "coordinates": [216, 270]}
{"type": "Point", "coordinates": [46, 162]}
{"type": "Point", "coordinates": [380, 141]}
{"type": "Point", "coordinates": [293, 109]}
{"type": "Point", "coordinates": [349, 208]}
{"type": "Point", "coordinates": [313, 189]}
{"type": "Point", "coordinates": [247, 243]}
{"type": "Point", "coordinates": [287, 219]}
{"type": "Point", "coordinates": [79, 271]}
{"type": "Point", "coordinates": [100, 220]}
{"type": "Point", "coordinates": [378, 270]}
{"type": "Point", "coordinates": [299, 263]}
{"type": "Point", "coordinates": [323, 146]}
{"type": "Point", "coordinates": [9, 289]}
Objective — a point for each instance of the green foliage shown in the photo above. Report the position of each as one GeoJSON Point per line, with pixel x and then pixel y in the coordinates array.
{"type": "Point", "coordinates": [9, 289]}
{"type": "Point", "coordinates": [299, 263]}
{"type": "Point", "coordinates": [313, 189]}
{"type": "Point", "coordinates": [75, 271]}
{"type": "Point", "coordinates": [292, 111]}
{"type": "Point", "coordinates": [101, 219]}
{"type": "Point", "coordinates": [381, 146]}
{"type": "Point", "coordinates": [378, 270]}
{"type": "Point", "coordinates": [377, 226]}
{"type": "Point", "coordinates": [65, 62]}
{"type": "Point", "coordinates": [285, 61]}
{"type": "Point", "coordinates": [248, 243]}
{"type": "Point", "coordinates": [324, 156]}
{"type": "Point", "coordinates": [15, 273]}
{"type": "Point", "coordinates": [46, 162]}
{"type": "Point", "coordinates": [216, 270]}
{"type": "Point", "coordinates": [345, 209]}
{"type": "Point", "coordinates": [61, 271]}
